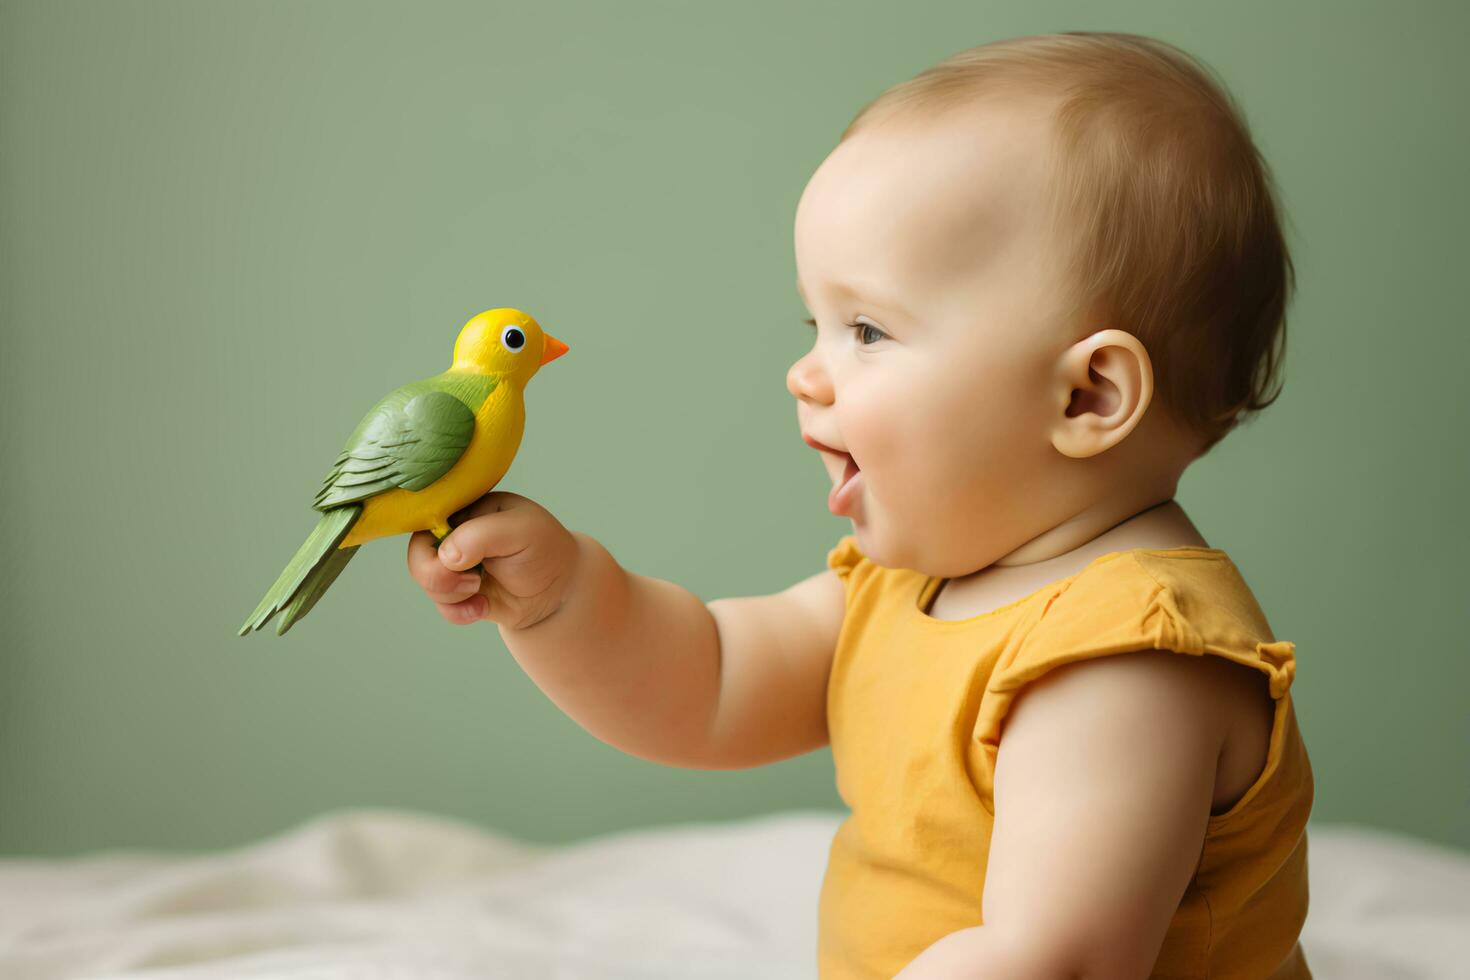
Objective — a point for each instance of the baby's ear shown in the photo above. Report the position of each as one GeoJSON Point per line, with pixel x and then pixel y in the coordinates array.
{"type": "Point", "coordinates": [1106, 382]}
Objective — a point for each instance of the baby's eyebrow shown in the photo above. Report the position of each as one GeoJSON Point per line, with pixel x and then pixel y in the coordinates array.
{"type": "Point", "coordinates": [852, 291]}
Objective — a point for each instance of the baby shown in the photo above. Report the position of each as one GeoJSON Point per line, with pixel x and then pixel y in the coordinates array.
{"type": "Point", "coordinates": [1045, 276]}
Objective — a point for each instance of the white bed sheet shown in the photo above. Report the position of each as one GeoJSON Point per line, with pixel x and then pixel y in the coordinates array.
{"type": "Point", "coordinates": [387, 894]}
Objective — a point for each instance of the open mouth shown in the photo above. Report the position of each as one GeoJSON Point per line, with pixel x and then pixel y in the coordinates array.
{"type": "Point", "coordinates": [844, 491]}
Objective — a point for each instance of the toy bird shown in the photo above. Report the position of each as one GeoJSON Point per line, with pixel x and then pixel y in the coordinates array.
{"type": "Point", "coordinates": [425, 451]}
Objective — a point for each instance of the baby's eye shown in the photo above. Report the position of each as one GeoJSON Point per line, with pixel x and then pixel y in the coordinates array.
{"type": "Point", "coordinates": [862, 332]}
{"type": "Point", "coordinates": [861, 328]}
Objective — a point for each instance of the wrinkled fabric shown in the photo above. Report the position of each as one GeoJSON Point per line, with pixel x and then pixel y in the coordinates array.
{"type": "Point", "coordinates": [398, 895]}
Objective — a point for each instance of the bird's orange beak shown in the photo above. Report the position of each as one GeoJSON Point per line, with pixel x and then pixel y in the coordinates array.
{"type": "Point", "coordinates": [553, 348]}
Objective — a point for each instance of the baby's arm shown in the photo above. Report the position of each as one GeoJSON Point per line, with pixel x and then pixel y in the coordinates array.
{"type": "Point", "coordinates": [1102, 791]}
{"type": "Point", "coordinates": [641, 663]}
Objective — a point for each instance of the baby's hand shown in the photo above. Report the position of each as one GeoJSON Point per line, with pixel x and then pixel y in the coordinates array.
{"type": "Point", "coordinates": [529, 559]}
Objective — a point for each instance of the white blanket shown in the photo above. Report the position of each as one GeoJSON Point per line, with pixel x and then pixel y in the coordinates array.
{"type": "Point", "coordinates": [385, 895]}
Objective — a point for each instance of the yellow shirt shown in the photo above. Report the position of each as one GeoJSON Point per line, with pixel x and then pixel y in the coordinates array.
{"type": "Point", "coordinates": [914, 710]}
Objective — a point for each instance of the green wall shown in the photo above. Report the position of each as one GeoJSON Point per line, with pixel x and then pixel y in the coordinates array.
{"type": "Point", "coordinates": [228, 228]}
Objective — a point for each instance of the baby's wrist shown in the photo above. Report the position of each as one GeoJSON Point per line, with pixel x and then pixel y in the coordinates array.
{"type": "Point", "coordinates": [582, 567]}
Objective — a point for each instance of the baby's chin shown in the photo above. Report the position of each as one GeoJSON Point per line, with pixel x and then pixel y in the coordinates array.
{"type": "Point", "coordinates": [874, 538]}
{"type": "Point", "coordinates": [889, 546]}
{"type": "Point", "coordinates": [876, 549]}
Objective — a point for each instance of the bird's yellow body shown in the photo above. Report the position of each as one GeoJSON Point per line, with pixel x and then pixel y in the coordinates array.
{"type": "Point", "coordinates": [426, 450]}
{"type": "Point", "coordinates": [498, 427]}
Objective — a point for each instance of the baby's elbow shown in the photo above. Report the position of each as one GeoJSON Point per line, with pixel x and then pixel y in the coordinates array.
{"type": "Point", "coordinates": [1040, 954]}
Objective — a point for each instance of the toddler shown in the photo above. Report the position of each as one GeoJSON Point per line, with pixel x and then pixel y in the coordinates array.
{"type": "Point", "coordinates": [1044, 275]}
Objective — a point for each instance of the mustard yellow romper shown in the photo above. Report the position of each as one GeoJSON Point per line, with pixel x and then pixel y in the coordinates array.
{"type": "Point", "coordinates": [914, 710]}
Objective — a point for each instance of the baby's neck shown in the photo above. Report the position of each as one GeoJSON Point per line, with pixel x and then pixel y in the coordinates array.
{"type": "Point", "coordinates": [1017, 575]}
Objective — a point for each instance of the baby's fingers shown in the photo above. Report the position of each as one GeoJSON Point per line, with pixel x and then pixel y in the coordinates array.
{"type": "Point", "coordinates": [471, 610]}
{"type": "Point", "coordinates": [487, 537]}
{"type": "Point", "coordinates": [443, 585]}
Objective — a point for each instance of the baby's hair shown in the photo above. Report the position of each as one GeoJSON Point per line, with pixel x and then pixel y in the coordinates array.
{"type": "Point", "coordinates": [1165, 206]}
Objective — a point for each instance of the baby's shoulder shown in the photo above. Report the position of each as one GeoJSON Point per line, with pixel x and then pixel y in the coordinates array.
{"type": "Point", "coordinates": [1190, 607]}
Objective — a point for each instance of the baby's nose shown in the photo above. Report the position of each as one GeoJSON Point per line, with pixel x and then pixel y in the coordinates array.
{"type": "Point", "coordinates": [807, 381]}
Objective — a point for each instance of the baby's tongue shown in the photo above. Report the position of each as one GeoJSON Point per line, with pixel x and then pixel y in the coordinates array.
{"type": "Point", "coordinates": [848, 472]}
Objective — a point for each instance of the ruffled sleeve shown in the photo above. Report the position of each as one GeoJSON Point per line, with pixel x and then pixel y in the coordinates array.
{"type": "Point", "coordinates": [844, 557]}
{"type": "Point", "coordinates": [1125, 605]}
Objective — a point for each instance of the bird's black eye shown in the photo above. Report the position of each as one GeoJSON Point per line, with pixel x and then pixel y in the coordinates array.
{"type": "Point", "coordinates": [513, 339]}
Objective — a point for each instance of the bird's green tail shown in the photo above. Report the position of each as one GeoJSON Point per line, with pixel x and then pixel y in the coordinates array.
{"type": "Point", "coordinates": [311, 570]}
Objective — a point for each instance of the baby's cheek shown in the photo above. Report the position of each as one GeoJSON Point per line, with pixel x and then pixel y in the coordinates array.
{"type": "Point", "coordinates": [908, 471]}
{"type": "Point", "coordinates": [897, 440]}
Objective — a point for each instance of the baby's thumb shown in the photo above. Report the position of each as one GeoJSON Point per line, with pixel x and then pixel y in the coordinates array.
{"type": "Point", "coordinates": [487, 536]}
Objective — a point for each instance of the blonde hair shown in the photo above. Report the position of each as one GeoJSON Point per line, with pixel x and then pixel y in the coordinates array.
{"type": "Point", "coordinates": [1164, 205]}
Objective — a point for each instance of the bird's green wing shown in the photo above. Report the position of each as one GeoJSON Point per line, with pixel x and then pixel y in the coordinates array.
{"type": "Point", "coordinates": [408, 440]}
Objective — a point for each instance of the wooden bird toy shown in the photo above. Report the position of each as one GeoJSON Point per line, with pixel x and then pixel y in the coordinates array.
{"type": "Point", "coordinates": [425, 451]}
